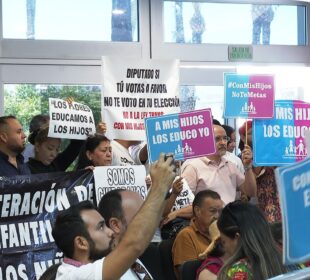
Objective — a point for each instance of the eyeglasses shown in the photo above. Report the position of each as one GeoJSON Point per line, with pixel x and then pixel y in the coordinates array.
{"type": "Point", "coordinates": [221, 138]}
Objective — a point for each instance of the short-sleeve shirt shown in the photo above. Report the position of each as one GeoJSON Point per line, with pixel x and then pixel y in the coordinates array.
{"type": "Point", "coordinates": [120, 155]}
{"type": "Point", "coordinates": [188, 244]}
{"type": "Point", "coordinates": [204, 174]}
{"type": "Point", "coordinates": [213, 264]}
{"type": "Point", "coordinates": [91, 271]}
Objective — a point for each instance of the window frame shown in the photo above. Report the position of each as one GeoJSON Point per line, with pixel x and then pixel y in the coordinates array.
{"type": "Point", "coordinates": [219, 52]}
{"type": "Point", "coordinates": [74, 49]}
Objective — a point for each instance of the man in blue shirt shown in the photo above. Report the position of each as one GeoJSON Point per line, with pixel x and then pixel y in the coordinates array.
{"type": "Point", "coordinates": [12, 144]}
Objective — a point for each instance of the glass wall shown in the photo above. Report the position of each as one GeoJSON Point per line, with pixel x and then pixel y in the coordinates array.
{"type": "Point", "coordinates": [94, 20]}
{"type": "Point", "coordinates": [225, 23]}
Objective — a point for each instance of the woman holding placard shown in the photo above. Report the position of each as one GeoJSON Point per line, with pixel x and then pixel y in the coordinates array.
{"type": "Point", "coordinates": [46, 149]}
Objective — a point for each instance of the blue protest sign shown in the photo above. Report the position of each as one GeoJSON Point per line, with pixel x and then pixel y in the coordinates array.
{"type": "Point", "coordinates": [248, 96]}
{"type": "Point", "coordinates": [185, 135]}
{"type": "Point", "coordinates": [281, 140]}
{"type": "Point", "coordinates": [294, 188]}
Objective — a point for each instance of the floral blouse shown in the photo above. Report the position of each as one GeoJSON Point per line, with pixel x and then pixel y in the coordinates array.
{"type": "Point", "coordinates": [267, 195]}
{"type": "Point", "coordinates": [240, 270]}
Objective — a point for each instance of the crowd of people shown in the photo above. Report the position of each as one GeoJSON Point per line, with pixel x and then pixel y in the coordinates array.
{"type": "Point", "coordinates": [220, 210]}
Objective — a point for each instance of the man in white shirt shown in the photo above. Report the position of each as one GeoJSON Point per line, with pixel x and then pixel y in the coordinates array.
{"type": "Point", "coordinates": [89, 245]}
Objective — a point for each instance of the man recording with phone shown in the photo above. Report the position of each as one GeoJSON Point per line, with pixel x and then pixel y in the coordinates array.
{"type": "Point", "coordinates": [88, 245]}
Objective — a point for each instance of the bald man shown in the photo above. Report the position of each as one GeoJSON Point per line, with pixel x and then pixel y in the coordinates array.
{"type": "Point", "coordinates": [214, 172]}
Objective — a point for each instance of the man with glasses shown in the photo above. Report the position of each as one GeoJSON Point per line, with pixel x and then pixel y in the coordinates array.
{"type": "Point", "coordinates": [214, 172]}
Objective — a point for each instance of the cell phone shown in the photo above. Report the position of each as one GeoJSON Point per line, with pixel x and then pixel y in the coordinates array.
{"type": "Point", "coordinates": [172, 162]}
{"type": "Point", "coordinates": [169, 155]}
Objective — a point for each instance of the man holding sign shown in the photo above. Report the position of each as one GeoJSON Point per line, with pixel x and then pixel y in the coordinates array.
{"type": "Point", "coordinates": [215, 173]}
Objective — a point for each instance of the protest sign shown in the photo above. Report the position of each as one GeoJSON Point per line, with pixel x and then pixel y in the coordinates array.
{"type": "Point", "coordinates": [134, 89]}
{"type": "Point", "coordinates": [294, 188]}
{"type": "Point", "coordinates": [280, 141]}
{"type": "Point", "coordinates": [28, 206]}
{"type": "Point", "coordinates": [185, 197]}
{"type": "Point", "coordinates": [185, 135]}
{"type": "Point", "coordinates": [248, 96]}
{"type": "Point", "coordinates": [70, 120]}
{"type": "Point", "coordinates": [108, 178]}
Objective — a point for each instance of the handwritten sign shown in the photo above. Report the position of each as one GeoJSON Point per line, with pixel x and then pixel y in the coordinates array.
{"type": "Point", "coordinates": [70, 120]}
{"type": "Point", "coordinates": [108, 178]}
{"type": "Point", "coordinates": [137, 89]}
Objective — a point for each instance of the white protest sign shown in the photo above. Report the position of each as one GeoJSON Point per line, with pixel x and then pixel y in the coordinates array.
{"type": "Point", "coordinates": [108, 178]}
{"type": "Point", "coordinates": [70, 120]}
{"type": "Point", "coordinates": [135, 89]}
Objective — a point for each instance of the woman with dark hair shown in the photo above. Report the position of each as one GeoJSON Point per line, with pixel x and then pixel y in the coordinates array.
{"type": "Point", "coordinates": [267, 192]}
{"type": "Point", "coordinates": [97, 151]}
{"type": "Point", "coordinates": [46, 152]}
{"type": "Point", "coordinates": [247, 239]}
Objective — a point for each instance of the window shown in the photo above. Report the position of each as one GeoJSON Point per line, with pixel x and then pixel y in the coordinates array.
{"type": "Point", "coordinates": [225, 23]}
{"type": "Point", "coordinates": [291, 82]}
{"type": "Point", "coordinates": [201, 97]}
{"type": "Point", "coordinates": [27, 100]}
{"type": "Point", "coordinates": [95, 20]}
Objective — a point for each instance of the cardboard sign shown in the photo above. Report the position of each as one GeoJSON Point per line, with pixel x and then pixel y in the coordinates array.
{"type": "Point", "coordinates": [248, 96]}
{"type": "Point", "coordinates": [294, 188]}
{"type": "Point", "coordinates": [185, 135]}
{"type": "Point", "coordinates": [281, 140]}
{"type": "Point", "coordinates": [70, 120]}
{"type": "Point", "coordinates": [108, 178]}
{"type": "Point", "coordinates": [134, 89]}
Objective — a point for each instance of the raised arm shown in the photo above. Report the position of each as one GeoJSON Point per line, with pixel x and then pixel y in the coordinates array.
{"type": "Point", "coordinates": [249, 187]}
{"type": "Point", "coordinates": [142, 228]}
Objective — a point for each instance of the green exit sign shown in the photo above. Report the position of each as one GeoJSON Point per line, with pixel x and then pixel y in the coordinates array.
{"type": "Point", "coordinates": [240, 53]}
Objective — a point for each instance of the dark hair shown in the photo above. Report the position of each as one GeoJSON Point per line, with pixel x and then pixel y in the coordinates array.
{"type": "Point", "coordinates": [218, 250]}
{"type": "Point", "coordinates": [110, 205]}
{"type": "Point", "coordinates": [69, 225]}
{"type": "Point", "coordinates": [255, 243]}
{"type": "Point", "coordinates": [229, 130]}
{"type": "Point", "coordinates": [50, 273]}
{"type": "Point", "coordinates": [216, 122]}
{"type": "Point", "coordinates": [37, 122]}
{"type": "Point", "coordinates": [276, 231]}
{"type": "Point", "coordinates": [200, 196]}
{"type": "Point", "coordinates": [4, 119]}
{"type": "Point", "coordinates": [39, 136]}
{"type": "Point", "coordinates": [91, 143]}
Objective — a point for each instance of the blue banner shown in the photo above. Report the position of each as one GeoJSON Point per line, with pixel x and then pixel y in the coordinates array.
{"type": "Point", "coordinates": [281, 140]}
{"type": "Point", "coordinates": [294, 188]}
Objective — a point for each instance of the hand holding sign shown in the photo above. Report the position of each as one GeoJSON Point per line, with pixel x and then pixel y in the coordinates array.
{"type": "Point", "coordinates": [247, 156]}
{"type": "Point", "coordinates": [70, 120]}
